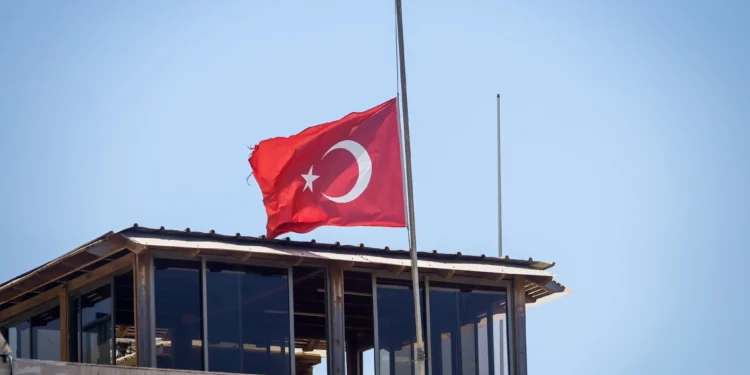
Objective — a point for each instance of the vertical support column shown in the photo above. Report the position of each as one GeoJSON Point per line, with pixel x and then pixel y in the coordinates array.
{"type": "Point", "coordinates": [336, 320]}
{"type": "Point", "coordinates": [144, 309]}
{"type": "Point", "coordinates": [204, 315]}
{"type": "Point", "coordinates": [491, 341]}
{"type": "Point", "coordinates": [428, 329]}
{"type": "Point", "coordinates": [376, 333]}
{"type": "Point", "coordinates": [519, 326]}
{"type": "Point", "coordinates": [292, 340]}
{"type": "Point", "coordinates": [64, 347]}
{"type": "Point", "coordinates": [354, 356]}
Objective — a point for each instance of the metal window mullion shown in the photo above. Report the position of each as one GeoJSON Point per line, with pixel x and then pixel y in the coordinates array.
{"type": "Point", "coordinates": [79, 328]}
{"type": "Point", "coordinates": [241, 338]}
{"type": "Point", "coordinates": [427, 329]}
{"type": "Point", "coordinates": [490, 340]}
{"type": "Point", "coordinates": [476, 345]}
{"type": "Point", "coordinates": [32, 352]}
{"type": "Point", "coordinates": [152, 310]}
{"type": "Point", "coordinates": [375, 324]}
{"type": "Point", "coordinates": [204, 313]}
{"type": "Point", "coordinates": [113, 339]}
{"type": "Point", "coordinates": [292, 339]}
{"type": "Point", "coordinates": [459, 360]}
{"type": "Point", "coordinates": [509, 331]}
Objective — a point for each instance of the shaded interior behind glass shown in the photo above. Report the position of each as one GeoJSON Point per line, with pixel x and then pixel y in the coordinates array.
{"type": "Point", "coordinates": [177, 300]}
{"type": "Point", "coordinates": [45, 335]}
{"type": "Point", "coordinates": [248, 319]}
{"type": "Point", "coordinates": [396, 333]}
{"type": "Point", "coordinates": [467, 330]}
{"type": "Point", "coordinates": [96, 326]}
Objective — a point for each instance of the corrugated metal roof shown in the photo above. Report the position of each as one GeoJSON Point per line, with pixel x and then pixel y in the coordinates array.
{"type": "Point", "coordinates": [361, 248]}
{"type": "Point", "coordinates": [164, 238]}
{"type": "Point", "coordinates": [168, 241]}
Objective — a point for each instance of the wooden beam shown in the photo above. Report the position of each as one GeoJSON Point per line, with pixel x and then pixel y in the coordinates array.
{"type": "Point", "coordinates": [336, 319]}
{"type": "Point", "coordinates": [64, 309]}
{"type": "Point", "coordinates": [519, 326]}
{"type": "Point", "coordinates": [121, 331]}
{"type": "Point", "coordinates": [242, 256]}
{"type": "Point", "coordinates": [49, 295]}
{"type": "Point", "coordinates": [93, 253]}
{"type": "Point", "coordinates": [108, 246]}
{"type": "Point", "coordinates": [447, 274]}
{"type": "Point", "coordinates": [311, 345]}
{"type": "Point", "coordinates": [145, 331]}
{"type": "Point", "coordinates": [397, 269]}
{"type": "Point", "coordinates": [135, 309]}
{"type": "Point", "coordinates": [134, 246]}
{"type": "Point", "coordinates": [101, 272]}
{"type": "Point", "coordinates": [497, 277]}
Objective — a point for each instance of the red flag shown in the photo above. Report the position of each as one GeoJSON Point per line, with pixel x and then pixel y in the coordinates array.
{"type": "Point", "coordinates": [341, 173]}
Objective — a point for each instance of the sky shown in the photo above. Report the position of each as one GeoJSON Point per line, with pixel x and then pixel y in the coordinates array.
{"type": "Point", "coordinates": [624, 144]}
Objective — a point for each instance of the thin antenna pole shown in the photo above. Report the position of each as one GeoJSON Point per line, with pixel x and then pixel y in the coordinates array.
{"type": "Point", "coordinates": [419, 347]}
{"type": "Point", "coordinates": [499, 188]}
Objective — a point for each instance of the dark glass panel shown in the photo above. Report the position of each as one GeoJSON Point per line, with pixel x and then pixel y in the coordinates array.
{"type": "Point", "coordinates": [464, 339]}
{"type": "Point", "coordinates": [248, 319]}
{"type": "Point", "coordinates": [177, 296]}
{"type": "Point", "coordinates": [359, 322]}
{"type": "Point", "coordinates": [265, 321]}
{"type": "Point", "coordinates": [443, 333]}
{"type": "Point", "coordinates": [96, 326]}
{"type": "Point", "coordinates": [74, 318]}
{"type": "Point", "coordinates": [45, 335]}
{"type": "Point", "coordinates": [223, 310]}
{"type": "Point", "coordinates": [124, 320]}
{"type": "Point", "coordinates": [19, 339]}
{"type": "Point", "coordinates": [396, 332]}
{"type": "Point", "coordinates": [310, 323]}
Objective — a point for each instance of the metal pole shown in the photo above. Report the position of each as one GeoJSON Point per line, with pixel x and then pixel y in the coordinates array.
{"type": "Point", "coordinates": [499, 188]}
{"type": "Point", "coordinates": [419, 347]}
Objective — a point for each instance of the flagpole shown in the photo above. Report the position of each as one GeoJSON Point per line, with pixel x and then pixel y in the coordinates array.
{"type": "Point", "coordinates": [499, 188]}
{"type": "Point", "coordinates": [419, 347]}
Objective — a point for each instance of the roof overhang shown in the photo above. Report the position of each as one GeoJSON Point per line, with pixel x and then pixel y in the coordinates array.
{"type": "Point", "coordinates": [540, 285]}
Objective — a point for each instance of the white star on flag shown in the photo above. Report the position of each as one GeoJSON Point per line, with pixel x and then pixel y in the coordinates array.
{"type": "Point", "coordinates": [309, 178]}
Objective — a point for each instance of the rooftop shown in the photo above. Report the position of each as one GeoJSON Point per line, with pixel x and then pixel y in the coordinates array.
{"type": "Point", "coordinates": [115, 245]}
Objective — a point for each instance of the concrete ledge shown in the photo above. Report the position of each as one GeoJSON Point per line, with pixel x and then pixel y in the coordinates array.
{"type": "Point", "coordinates": [36, 367]}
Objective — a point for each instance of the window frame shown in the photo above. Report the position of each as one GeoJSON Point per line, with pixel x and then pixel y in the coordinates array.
{"type": "Point", "coordinates": [76, 294]}
{"type": "Point", "coordinates": [26, 317]}
{"type": "Point", "coordinates": [506, 286]}
{"type": "Point", "coordinates": [250, 261]}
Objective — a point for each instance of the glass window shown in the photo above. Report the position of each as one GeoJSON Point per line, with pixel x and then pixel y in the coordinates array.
{"type": "Point", "coordinates": [359, 322]}
{"type": "Point", "coordinates": [248, 319]}
{"type": "Point", "coordinates": [396, 333]}
{"type": "Point", "coordinates": [74, 319]}
{"type": "Point", "coordinates": [37, 337]}
{"type": "Point", "coordinates": [467, 330]}
{"type": "Point", "coordinates": [45, 335]}
{"type": "Point", "coordinates": [96, 326]}
{"type": "Point", "coordinates": [310, 323]}
{"type": "Point", "coordinates": [177, 299]}
{"type": "Point", "coordinates": [124, 320]}
{"type": "Point", "coordinates": [19, 339]}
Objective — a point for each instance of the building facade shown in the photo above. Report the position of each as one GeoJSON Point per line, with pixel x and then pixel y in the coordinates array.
{"type": "Point", "coordinates": [183, 300]}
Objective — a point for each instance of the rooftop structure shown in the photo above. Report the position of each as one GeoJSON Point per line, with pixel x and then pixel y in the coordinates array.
{"type": "Point", "coordinates": [202, 301]}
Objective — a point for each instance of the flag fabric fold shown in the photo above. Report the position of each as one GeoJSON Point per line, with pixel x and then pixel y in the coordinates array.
{"type": "Point", "coordinates": [341, 173]}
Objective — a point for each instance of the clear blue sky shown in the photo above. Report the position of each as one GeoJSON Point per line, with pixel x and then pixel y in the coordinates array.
{"type": "Point", "coordinates": [625, 144]}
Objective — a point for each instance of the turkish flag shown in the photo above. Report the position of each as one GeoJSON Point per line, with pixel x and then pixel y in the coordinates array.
{"type": "Point", "coordinates": [341, 173]}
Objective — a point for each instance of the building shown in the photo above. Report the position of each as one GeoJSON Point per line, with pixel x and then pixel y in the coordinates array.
{"type": "Point", "coordinates": [193, 301]}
